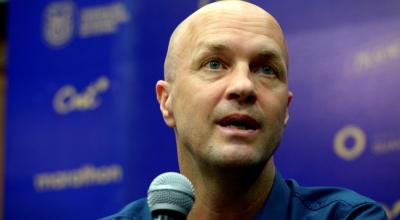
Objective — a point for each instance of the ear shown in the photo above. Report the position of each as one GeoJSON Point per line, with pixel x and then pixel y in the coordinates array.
{"type": "Point", "coordinates": [290, 96]}
{"type": "Point", "coordinates": [164, 99]}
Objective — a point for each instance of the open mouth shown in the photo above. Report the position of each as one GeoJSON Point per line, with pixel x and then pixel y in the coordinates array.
{"type": "Point", "coordinates": [241, 122]}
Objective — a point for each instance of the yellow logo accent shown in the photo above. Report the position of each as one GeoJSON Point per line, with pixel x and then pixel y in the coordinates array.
{"type": "Point", "coordinates": [67, 99]}
{"type": "Point", "coordinates": [394, 212]}
{"type": "Point", "coordinates": [396, 209]}
{"type": "Point", "coordinates": [349, 152]}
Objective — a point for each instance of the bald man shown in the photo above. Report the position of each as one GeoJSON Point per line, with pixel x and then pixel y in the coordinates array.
{"type": "Point", "coordinates": [226, 96]}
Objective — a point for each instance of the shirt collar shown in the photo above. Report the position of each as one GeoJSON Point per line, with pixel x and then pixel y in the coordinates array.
{"type": "Point", "coordinates": [277, 203]}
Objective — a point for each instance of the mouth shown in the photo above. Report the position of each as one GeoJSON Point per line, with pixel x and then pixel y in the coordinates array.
{"type": "Point", "coordinates": [240, 122]}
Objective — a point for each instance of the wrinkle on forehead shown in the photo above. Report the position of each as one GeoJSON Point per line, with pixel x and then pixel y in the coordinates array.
{"type": "Point", "coordinates": [222, 12]}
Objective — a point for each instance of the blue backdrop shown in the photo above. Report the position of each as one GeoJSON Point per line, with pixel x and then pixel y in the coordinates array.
{"type": "Point", "coordinates": [84, 135]}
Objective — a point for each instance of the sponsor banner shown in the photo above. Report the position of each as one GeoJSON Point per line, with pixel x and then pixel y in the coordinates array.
{"type": "Point", "coordinates": [84, 135]}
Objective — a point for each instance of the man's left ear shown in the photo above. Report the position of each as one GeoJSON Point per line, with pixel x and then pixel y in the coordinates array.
{"type": "Point", "coordinates": [164, 99]}
{"type": "Point", "coordinates": [290, 96]}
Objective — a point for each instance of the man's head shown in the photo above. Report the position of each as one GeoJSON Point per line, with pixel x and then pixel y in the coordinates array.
{"type": "Point", "coordinates": [225, 92]}
{"type": "Point", "coordinates": [186, 30]}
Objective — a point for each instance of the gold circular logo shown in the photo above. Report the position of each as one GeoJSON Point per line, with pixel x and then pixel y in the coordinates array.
{"type": "Point", "coordinates": [349, 152]}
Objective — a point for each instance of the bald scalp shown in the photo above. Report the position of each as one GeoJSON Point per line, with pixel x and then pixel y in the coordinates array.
{"type": "Point", "coordinates": [188, 29]}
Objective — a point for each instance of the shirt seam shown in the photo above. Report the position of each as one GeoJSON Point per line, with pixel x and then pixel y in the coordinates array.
{"type": "Point", "coordinates": [297, 195]}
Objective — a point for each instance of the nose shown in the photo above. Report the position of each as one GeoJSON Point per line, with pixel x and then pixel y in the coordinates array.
{"type": "Point", "coordinates": [240, 86]}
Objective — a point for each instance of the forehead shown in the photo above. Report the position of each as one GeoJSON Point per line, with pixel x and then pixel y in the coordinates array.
{"type": "Point", "coordinates": [240, 19]}
{"type": "Point", "coordinates": [223, 26]}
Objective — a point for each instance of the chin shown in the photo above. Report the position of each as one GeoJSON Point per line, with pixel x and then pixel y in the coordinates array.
{"type": "Point", "coordinates": [239, 159]}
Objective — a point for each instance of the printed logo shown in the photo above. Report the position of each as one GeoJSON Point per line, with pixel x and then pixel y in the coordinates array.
{"type": "Point", "coordinates": [373, 57]}
{"type": "Point", "coordinates": [347, 134]}
{"type": "Point", "coordinates": [67, 99]}
{"type": "Point", "coordinates": [394, 211]}
{"type": "Point", "coordinates": [85, 176]}
{"type": "Point", "coordinates": [102, 20]}
{"type": "Point", "coordinates": [62, 20]}
{"type": "Point", "coordinates": [58, 23]}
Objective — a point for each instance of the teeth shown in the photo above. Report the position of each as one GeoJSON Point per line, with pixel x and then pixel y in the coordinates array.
{"type": "Point", "coordinates": [238, 127]}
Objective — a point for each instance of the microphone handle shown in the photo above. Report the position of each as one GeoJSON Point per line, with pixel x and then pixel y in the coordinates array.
{"type": "Point", "coordinates": [168, 215]}
{"type": "Point", "coordinates": [163, 217]}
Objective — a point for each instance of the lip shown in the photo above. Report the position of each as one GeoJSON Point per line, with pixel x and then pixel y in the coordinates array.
{"type": "Point", "coordinates": [252, 123]}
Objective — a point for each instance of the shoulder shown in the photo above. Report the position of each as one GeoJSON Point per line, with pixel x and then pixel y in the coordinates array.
{"type": "Point", "coordinates": [333, 203]}
{"type": "Point", "coordinates": [133, 211]}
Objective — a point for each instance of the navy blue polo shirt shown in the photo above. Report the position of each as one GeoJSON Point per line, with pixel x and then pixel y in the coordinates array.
{"type": "Point", "coordinates": [287, 200]}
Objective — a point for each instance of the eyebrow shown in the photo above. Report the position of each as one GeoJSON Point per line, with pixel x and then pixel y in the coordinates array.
{"type": "Point", "coordinates": [206, 48]}
{"type": "Point", "coordinates": [274, 56]}
{"type": "Point", "coordinates": [270, 54]}
{"type": "Point", "coordinates": [212, 47]}
{"type": "Point", "coordinates": [266, 53]}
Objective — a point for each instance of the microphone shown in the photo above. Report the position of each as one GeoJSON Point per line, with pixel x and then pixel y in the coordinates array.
{"type": "Point", "coordinates": [170, 197]}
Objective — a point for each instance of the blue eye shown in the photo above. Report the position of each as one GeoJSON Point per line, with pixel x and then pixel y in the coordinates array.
{"type": "Point", "coordinates": [267, 70]}
{"type": "Point", "coordinates": [214, 64]}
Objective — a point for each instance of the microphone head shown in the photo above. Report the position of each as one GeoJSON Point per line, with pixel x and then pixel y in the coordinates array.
{"type": "Point", "coordinates": [171, 192]}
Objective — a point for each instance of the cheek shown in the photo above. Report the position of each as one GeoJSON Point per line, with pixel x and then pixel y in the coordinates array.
{"type": "Point", "coordinates": [275, 107]}
{"type": "Point", "coordinates": [194, 103]}
{"type": "Point", "coordinates": [200, 96]}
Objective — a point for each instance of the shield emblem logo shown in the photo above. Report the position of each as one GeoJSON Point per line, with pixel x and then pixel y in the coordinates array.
{"type": "Point", "coordinates": [58, 25]}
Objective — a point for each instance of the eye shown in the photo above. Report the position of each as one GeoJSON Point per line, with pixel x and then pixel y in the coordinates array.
{"type": "Point", "coordinates": [267, 70]}
{"type": "Point", "coordinates": [213, 64]}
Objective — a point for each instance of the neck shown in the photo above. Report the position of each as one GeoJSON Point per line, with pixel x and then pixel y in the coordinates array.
{"type": "Point", "coordinates": [230, 193]}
